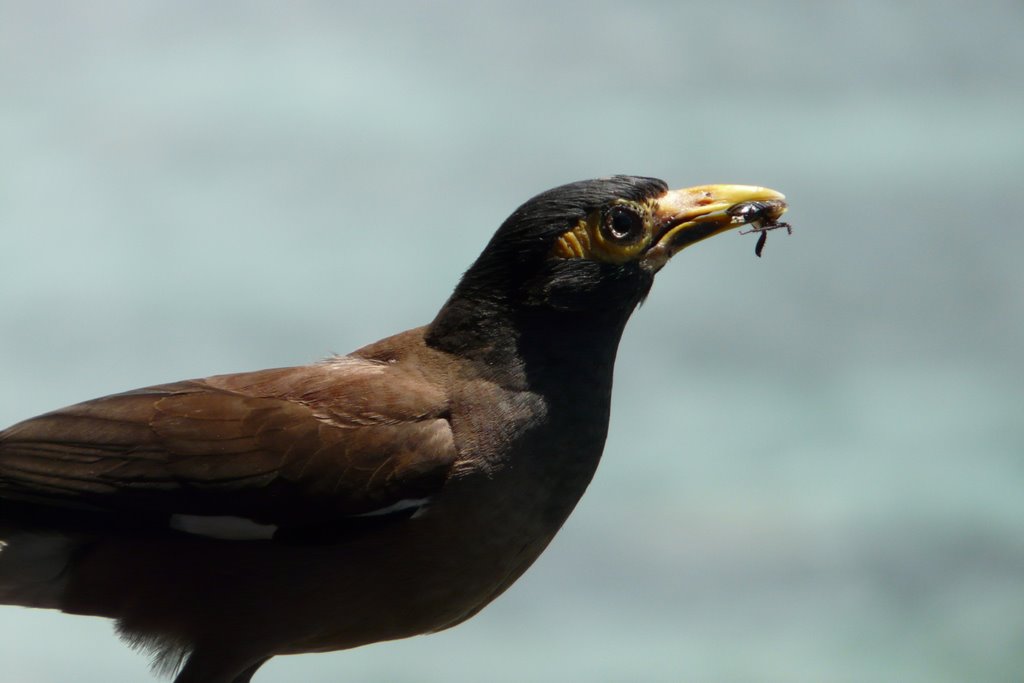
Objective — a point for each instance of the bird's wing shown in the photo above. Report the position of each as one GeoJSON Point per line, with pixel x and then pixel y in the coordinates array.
{"type": "Point", "coordinates": [291, 447]}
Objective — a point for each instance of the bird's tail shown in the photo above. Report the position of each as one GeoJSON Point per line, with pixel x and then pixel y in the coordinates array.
{"type": "Point", "coordinates": [32, 568]}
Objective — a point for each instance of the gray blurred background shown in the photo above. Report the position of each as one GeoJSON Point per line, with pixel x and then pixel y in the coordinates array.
{"type": "Point", "coordinates": [816, 463]}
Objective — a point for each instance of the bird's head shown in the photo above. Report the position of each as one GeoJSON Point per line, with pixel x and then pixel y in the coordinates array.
{"type": "Point", "coordinates": [591, 249]}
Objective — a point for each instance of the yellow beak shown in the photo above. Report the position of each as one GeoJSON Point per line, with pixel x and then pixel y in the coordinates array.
{"type": "Point", "coordinates": [684, 217]}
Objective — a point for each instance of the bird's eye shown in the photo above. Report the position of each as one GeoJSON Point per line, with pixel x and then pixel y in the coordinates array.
{"type": "Point", "coordinates": [623, 224]}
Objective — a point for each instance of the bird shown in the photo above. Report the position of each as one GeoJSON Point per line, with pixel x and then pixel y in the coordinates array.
{"type": "Point", "coordinates": [387, 493]}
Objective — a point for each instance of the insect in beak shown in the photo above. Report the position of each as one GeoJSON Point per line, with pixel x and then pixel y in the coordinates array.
{"type": "Point", "coordinates": [762, 217]}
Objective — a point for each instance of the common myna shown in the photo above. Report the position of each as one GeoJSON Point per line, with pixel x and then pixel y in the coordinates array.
{"type": "Point", "coordinates": [387, 493]}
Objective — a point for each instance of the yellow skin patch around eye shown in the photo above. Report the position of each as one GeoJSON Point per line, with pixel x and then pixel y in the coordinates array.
{"type": "Point", "coordinates": [587, 240]}
{"type": "Point", "coordinates": [575, 243]}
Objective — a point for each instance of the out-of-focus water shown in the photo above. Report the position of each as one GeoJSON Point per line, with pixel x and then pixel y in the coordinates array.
{"type": "Point", "coordinates": [816, 463]}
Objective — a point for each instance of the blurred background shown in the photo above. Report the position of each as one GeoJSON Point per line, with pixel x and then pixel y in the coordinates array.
{"type": "Point", "coordinates": [816, 463]}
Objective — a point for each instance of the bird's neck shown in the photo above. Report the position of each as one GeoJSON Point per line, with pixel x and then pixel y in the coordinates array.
{"type": "Point", "coordinates": [544, 347]}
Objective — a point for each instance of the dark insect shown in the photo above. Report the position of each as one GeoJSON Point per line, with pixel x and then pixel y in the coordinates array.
{"type": "Point", "coordinates": [762, 217]}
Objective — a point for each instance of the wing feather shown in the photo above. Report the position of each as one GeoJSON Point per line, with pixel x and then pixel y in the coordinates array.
{"type": "Point", "coordinates": [289, 447]}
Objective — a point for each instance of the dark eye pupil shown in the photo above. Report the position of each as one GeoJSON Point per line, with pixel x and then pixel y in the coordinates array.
{"type": "Point", "coordinates": [624, 224]}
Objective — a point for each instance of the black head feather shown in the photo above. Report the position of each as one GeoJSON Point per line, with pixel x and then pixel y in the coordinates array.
{"type": "Point", "coordinates": [524, 241]}
{"type": "Point", "coordinates": [515, 285]}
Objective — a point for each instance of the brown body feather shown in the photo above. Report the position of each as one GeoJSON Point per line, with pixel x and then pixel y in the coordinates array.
{"type": "Point", "coordinates": [288, 447]}
{"type": "Point", "coordinates": [310, 450]}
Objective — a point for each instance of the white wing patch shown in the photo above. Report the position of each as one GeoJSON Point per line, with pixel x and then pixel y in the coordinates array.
{"type": "Point", "coordinates": [224, 527]}
{"type": "Point", "coordinates": [229, 528]}
{"type": "Point", "coordinates": [404, 504]}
